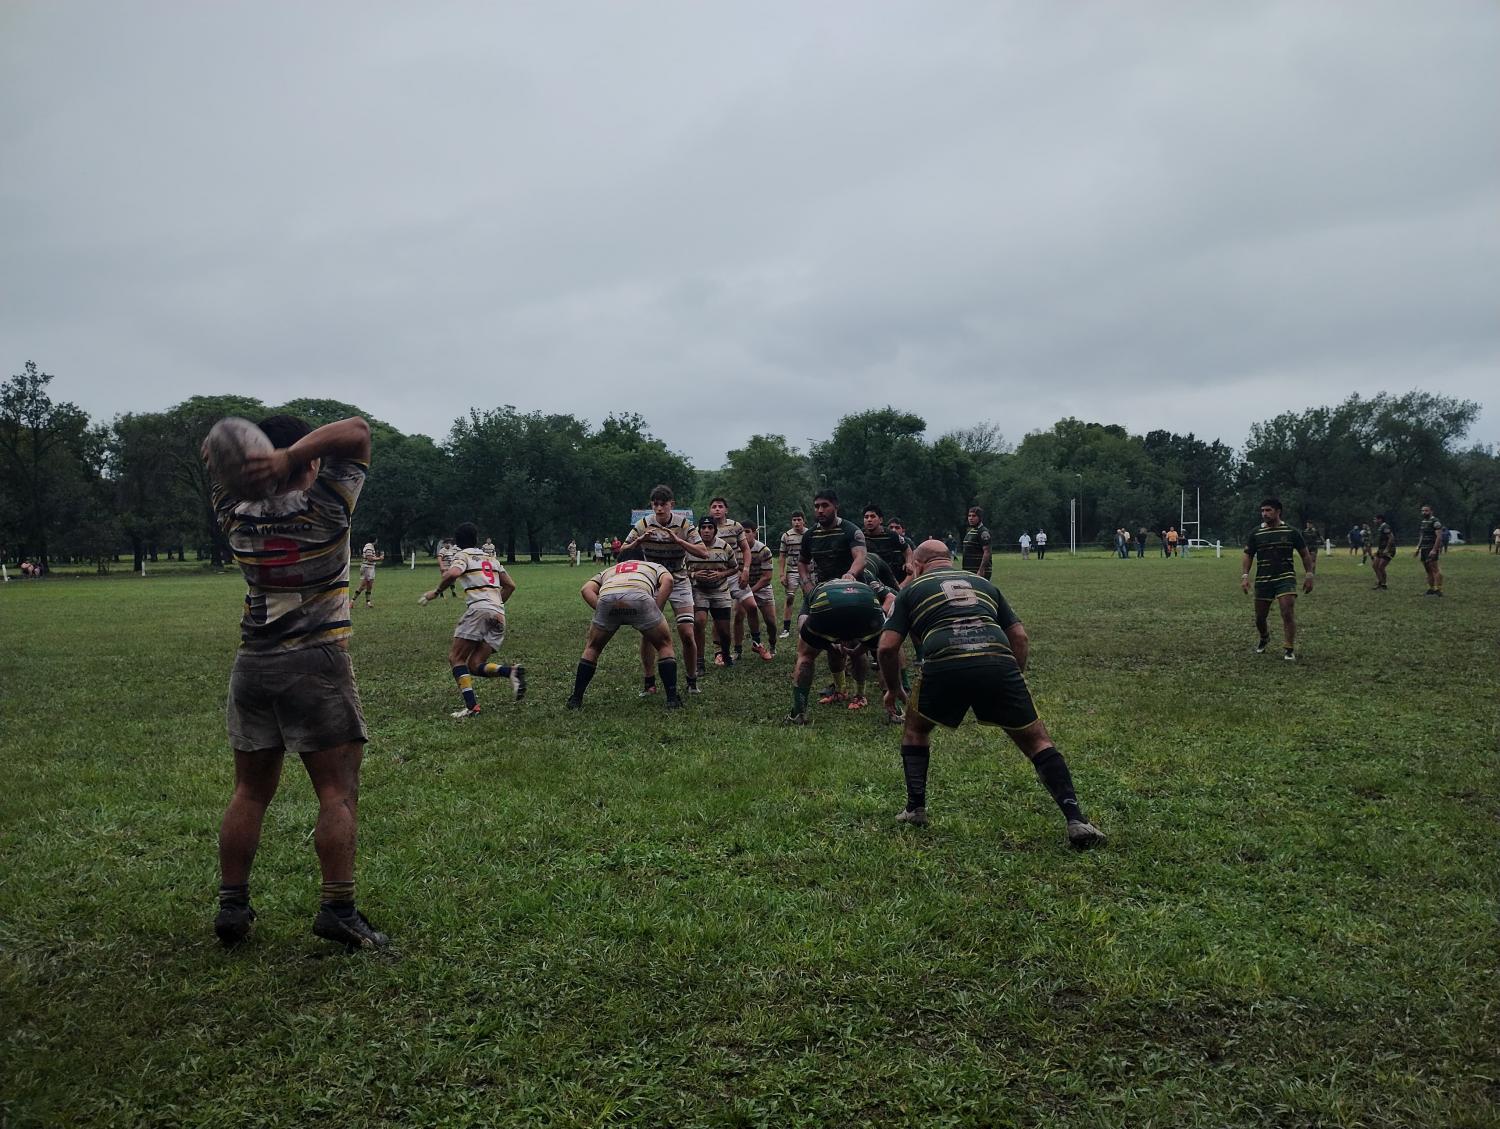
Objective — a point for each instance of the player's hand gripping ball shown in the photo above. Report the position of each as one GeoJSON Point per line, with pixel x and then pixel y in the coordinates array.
{"type": "Point", "coordinates": [230, 443]}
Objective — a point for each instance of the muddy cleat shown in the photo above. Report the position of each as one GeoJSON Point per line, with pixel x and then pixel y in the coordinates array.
{"type": "Point", "coordinates": [674, 702]}
{"type": "Point", "coordinates": [574, 703]}
{"type": "Point", "coordinates": [647, 691]}
{"type": "Point", "coordinates": [1083, 835]}
{"type": "Point", "coordinates": [723, 660]}
{"type": "Point", "coordinates": [917, 817]}
{"type": "Point", "coordinates": [464, 714]}
{"type": "Point", "coordinates": [760, 649]}
{"type": "Point", "coordinates": [858, 702]}
{"type": "Point", "coordinates": [831, 697]}
{"type": "Point", "coordinates": [518, 681]}
{"type": "Point", "coordinates": [796, 719]}
{"type": "Point", "coordinates": [1265, 641]}
{"type": "Point", "coordinates": [232, 924]}
{"type": "Point", "coordinates": [1289, 655]}
{"type": "Point", "coordinates": [354, 931]}
{"type": "Point", "coordinates": [692, 686]}
{"type": "Point", "coordinates": [786, 633]}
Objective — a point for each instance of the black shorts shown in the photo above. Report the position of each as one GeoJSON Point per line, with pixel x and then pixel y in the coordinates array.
{"type": "Point", "coordinates": [995, 690]}
{"type": "Point", "coordinates": [1275, 589]}
{"type": "Point", "coordinates": [823, 629]}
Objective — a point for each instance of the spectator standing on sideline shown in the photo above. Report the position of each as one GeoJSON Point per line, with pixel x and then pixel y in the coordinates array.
{"type": "Point", "coordinates": [1025, 546]}
{"type": "Point", "coordinates": [1140, 542]}
{"type": "Point", "coordinates": [1041, 544]}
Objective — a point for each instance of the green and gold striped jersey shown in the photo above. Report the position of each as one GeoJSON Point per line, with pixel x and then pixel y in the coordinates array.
{"type": "Point", "coordinates": [1431, 532]}
{"type": "Point", "coordinates": [731, 531]}
{"type": "Point", "coordinates": [657, 545]}
{"type": "Point", "coordinates": [720, 556]}
{"type": "Point", "coordinates": [293, 550]}
{"type": "Point", "coordinates": [631, 576]}
{"type": "Point", "coordinates": [890, 548]}
{"type": "Point", "coordinates": [1385, 539]}
{"type": "Point", "coordinates": [829, 550]}
{"type": "Point", "coordinates": [1273, 547]}
{"type": "Point", "coordinates": [955, 616]}
{"type": "Point", "coordinates": [976, 541]}
{"type": "Point", "coordinates": [878, 576]}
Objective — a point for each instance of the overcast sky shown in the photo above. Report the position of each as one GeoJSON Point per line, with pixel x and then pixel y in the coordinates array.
{"type": "Point", "coordinates": [755, 217]}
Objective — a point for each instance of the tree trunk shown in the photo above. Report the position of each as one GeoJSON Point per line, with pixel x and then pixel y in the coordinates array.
{"type": "Point", "coordinates": [510, 545]}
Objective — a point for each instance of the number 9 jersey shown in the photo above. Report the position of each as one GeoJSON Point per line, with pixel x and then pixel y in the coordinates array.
{"type": "Point", "coordinates": [481, 577]}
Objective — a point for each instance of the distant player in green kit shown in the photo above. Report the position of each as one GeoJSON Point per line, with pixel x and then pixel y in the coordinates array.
{"type": "Point", "coordinates": [1429, 550]}
{"type": "Point", "coordinates": [974, 651]}
{"type": "Point", "coordinates": [1271, 547]}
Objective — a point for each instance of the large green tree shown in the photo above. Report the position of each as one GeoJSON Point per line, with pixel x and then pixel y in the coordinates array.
{"type": "Point", "coordinates": [769, 474]}
{"type": "Point", "coordinates": [50, 462]}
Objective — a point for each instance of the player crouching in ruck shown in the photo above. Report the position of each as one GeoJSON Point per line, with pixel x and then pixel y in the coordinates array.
{"type": "Point", "coordinates": [974, 651]}
{"type": "Point", "coordinates": [481, 629]}
{"type": "Point", "coordinates": [629, 594]}
{"type": "Point", "coordinates": [292, 688]}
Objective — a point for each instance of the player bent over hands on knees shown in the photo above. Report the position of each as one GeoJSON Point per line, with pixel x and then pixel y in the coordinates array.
{"type": "Point", "coordinates": [631, 593]}
{"type": "Point", "coordinates": [974, 651]}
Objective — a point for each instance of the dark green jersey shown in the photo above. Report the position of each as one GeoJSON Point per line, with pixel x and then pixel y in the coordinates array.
{"type": "Point", "coordinates": [844, 611]}
{"type": "Point", "coordinates": [1273, 547]}
{"type": "Point", "coordinates": [1385, 539]}
{"type": "Point", "coordinates": [829, 550]}
{"type": "Point", "coordinates": [878, 575]}
{"type": "Point", "coordinates": [955, 617]}
{"type": "Point", "coordinates": [890, 548]}
{"type": "Point", "coordinates": [976, 541]}
{"type": "Point", "coordinates": [1431, 534]}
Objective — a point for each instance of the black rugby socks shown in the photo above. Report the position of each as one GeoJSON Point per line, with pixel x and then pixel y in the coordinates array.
{"type": "Point", "coordinates": [914, 760]}
{"type": "Point", "coordinates": [1053, 772]}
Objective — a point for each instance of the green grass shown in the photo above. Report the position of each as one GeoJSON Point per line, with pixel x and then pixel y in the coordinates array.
{"type": "Point", "coordinates": [626, 916]}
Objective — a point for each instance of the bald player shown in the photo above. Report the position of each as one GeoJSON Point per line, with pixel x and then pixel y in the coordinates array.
{"type": "Point", "coordinates": [974, 651]}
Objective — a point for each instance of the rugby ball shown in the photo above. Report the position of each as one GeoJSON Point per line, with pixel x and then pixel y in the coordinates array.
{"type": "Point", "coordinates": [228, 443]}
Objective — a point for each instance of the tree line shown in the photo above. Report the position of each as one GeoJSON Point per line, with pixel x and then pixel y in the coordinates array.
{"type": "Point", "coordinates": [73, 489]}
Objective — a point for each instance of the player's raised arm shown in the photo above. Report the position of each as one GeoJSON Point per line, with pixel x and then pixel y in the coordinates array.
{"type": "Point", "coordinates": [342, 439]}
{"type": "Point", "coordinates": [858, 555]}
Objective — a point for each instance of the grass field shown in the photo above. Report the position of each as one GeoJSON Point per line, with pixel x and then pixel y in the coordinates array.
{"type": "Point", "coordinates": [626, 916]}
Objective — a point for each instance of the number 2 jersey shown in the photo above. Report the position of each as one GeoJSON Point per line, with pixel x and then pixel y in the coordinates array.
{"type": "Point", "coordinates": [293, 550]}
{"type": "Point", "coordinates": [956, 618]}
{"type": "Point", "coordinates": [481, 577]}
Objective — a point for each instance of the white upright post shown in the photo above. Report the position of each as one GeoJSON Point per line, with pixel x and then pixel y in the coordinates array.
{"type": "Point", "coordinates": [1072, 526]}
{"type": "Point", "coordinates": [4, 573]}
{"type": "Point", "coordinates": [1218, 548]}
{"type": "Point", "coordinates": [143, 566]}
{"type": "Point", "coordinates": [414, 560]}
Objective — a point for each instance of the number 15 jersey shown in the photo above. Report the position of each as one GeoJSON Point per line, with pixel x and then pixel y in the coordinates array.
{"type": "Point", "coordinates": [481, 578]}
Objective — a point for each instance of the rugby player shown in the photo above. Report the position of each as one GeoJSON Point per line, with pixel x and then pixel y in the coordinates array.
{"type": "Point", "coordinates": [889, 545]}
{"type": "Point", "coordinates": [759, 604]}
{"type": "Point", "coordinates": [668, 540]}
{"type": "Point", "coordinates": [1271, 546]}
{"type": "Point", "coordinates": [630, 593]}
{"type": "Point", "coordinates": [976, 548]}
{"type": "Point", "coordinates": [974, 652]}
{"type": "Point", "coordinates": [833, 549]}
{"type": "Point", "coordinates": [710, 578]}
{"type": "Point", "coordinates": [368, 560]}
{"type": "Point", "coordinates": [445, 558]}
{"type": "Point", "coordinates": [1429, 549]}
{"type": "Point", "coordinates": [292, 687]}
{"type": "Point", "coordinates": [481, 629]}
{"type": "Point", "coordinates": [791, 548]}
{"type": "Point", "coordinates": [1385, 550]}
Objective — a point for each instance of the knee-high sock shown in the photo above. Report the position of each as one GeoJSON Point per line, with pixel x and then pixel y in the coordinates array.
{"type": "Point", "coordinates": [465, 682]}
{"type": "Point", "coordinates": [914, 767]}
{"type": "Point", "coordinates": [668, 669]}
{"type": "Point", "coordinates": [582, 676]}
{"type": "Point", "coordinates": [1053, 772]}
